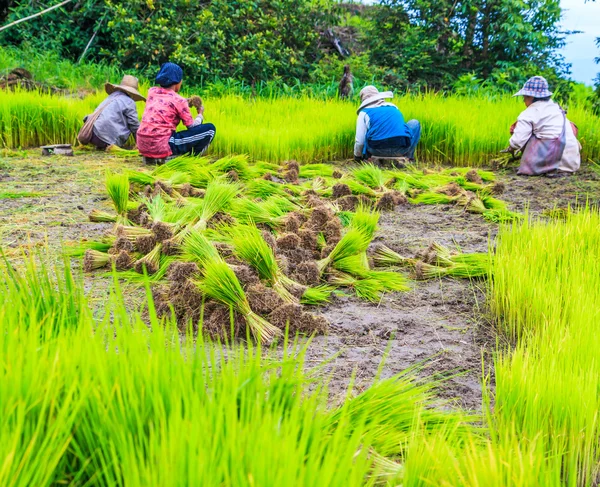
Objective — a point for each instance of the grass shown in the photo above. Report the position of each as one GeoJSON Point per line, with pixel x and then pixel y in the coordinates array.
{"type": "Point", "coordinates": [132, 405]}
{"type": "Point", "coordinates": [456, 130]}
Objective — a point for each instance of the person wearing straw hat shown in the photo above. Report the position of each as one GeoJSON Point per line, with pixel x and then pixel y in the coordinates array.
{"type": "Point", "coordinates": [543, 134]}
{"type": "Point", "coordinates": [117, 116]}
{"type": "Point", "coordinates": [381, 130]}
{"type": "Point", "coordinates": [157, 138]}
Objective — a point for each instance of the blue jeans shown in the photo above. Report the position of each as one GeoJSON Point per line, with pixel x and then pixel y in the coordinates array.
{"type": "Point", "coordinates": [194, 140]}
{"type": "Point", "coordinates": [414, 127]}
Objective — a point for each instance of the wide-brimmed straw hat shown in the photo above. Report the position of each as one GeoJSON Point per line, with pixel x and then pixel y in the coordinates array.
{"type": "Point", "coordinates": [369, 95]}
{"type": "Point", "coordinates": [128, 85]}
{"type": "Point", "coordinates": [536, 87]}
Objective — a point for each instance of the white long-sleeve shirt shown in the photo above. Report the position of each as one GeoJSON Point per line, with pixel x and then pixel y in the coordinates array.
{"type": "Point", "coordinates": [545, 120]}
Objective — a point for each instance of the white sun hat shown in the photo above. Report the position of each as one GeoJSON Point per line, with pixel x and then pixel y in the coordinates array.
{"type": "Point", "coordinates": [369, 95]}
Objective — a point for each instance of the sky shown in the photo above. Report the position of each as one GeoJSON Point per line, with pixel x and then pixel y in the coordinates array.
{"type": "Point", "coordinates": [580, 50]}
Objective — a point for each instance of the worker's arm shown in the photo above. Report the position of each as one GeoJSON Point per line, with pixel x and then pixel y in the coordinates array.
{"type": "Point", "coordinates": [362, 124]}
{"type": "Point", "coordinates": [200, 118]}
{"type": "Point", "coordinates": [131, 115]}
{"type": "Point", "coordinates": [183, 110]}
{"type": "Point", "coordinates": [522, 133]}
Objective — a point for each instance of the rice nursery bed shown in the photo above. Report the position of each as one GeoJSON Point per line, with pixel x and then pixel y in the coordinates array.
{"type": "Point", "coordinates": [456, 130]}
{"type": "Point", "coordinates": [420, 223]}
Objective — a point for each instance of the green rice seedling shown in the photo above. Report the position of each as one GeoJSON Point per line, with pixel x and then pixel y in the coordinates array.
{"type": "Point", "coordinates": [429, 198]}
{"type": "Point", "coordinates": [502, 216]}
{"type": "Point", "coordinates": [237, 163]}
{"type": "Point", "coordinates": [78, 250]}
{"type": "Point", "coordinates": [196, 247]}
{"type": "Point", "coordinates": [117, 187]}
{"type": "Point", "coordinates": [131, 232]}
{"type": "Point", "coordinates": [149, 262]}
{"type": "Point", "coordinates": [358, 188]}
{"type": "Point", "coordinates": [263, 189]}
{"type": "Point", "coordinates": [353, 265]}
{"type": "Point", "coordinates": [384, 256]}
{"type": "Point", "coordinates": [368, 289]}
{"type": "Point", "coordinates": [218, 196]}
{"type": "Point", "coordinates": [271, 212]}
{"type": "Point", "coordinates": [315, 296]}
{"type": "Point", "coordinates": [100, 216]}
{"type": "Point", "coordinates": [352, 243]}
{"type": "Point", "coordinates": [365, 219]}
{"type": "Point", "coordinates": [221, 284]}
{"type": "Point", "coordinates": [371, 176]}
{"type": "Point", "coordinates": [404, 180]}
{"type": "Point", "coordinates": [250, 246]}
{"type": "Point", "coordinates": [345, 217]}
{"type": "Point", "coordinates": [115, 150]}
{"type": "Point", "coordinates": [390, 281]}
{"type": "Point", "coordinates": [310, 171]}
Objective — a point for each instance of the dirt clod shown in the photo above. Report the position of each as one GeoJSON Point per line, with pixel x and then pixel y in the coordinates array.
{"type": "Point", "coordinates": [340, 190]}
{"type": "Point", "coordinates": [498, 188]}
{"type": "Point", "coordinates": [337, 174]}
{"type": "Point", "coordinates": [386, 202]}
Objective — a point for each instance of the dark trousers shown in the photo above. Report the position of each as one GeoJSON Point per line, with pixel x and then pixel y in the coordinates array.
{"type": "Point", "coordinates": [194, 140]}
{"type": "Point", "coordinates": [414, 127]}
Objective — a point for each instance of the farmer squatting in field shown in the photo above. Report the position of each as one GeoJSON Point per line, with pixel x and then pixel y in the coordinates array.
{"type": "Point", "coordinates": [165, 108]}
{"type": "Point", "coordinates": [116, 118]}
{"type": "Point", "coordinates": [544, 135]}
{"type": "Point", "coordinates": [380, 128]}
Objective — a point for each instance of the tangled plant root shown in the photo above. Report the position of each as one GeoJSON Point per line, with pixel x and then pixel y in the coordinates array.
{"type": "Point", "coordinates": [498, 188]}
{"type": "Point", "coordinates": [263, 299]}
{"type": "Point", "coordinates": [270, 239]}
{"type": "Point", "coordinates": [319, 217]}
{"type": "Point", "coordinates": [473, 177]}
{"type": "Point", "coordinates": [288, 241]}
{"type": "Point", "coordinates": [245, 274]}
{"type": "Point", "coordinates": [292, 223]}
{"type": "Point", "coordinates": [348, 203]}
{"type": "Point", "coordinates": [308, 238]}
{"type": "Point", "coordinates": [171, 247]}
{"type": "Point", "coordinates": [122, 243]}
{"type": "Point", "coordinates": [161, 231]}
{"type": "Point", "coordinates": [123, 261]}
{"type": "Point", "coordinates": [337, 174]}
{"type": "Point", "coordinates": [181, 271]}
{"type": "Point", "coordinates": [307, 273]}
{"type": "Point", "coordinates": [145, 244]}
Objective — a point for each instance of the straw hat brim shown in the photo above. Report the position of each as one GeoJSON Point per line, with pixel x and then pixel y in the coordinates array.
{"type": "Point", "coordinates": [372, 99]}
{"type": "Point", "coordinates": [132, 92]}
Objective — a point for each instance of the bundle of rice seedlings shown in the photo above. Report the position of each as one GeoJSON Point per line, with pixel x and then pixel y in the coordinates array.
{"type": "Point", "coordinates": [314, 170]}
{"type": "Point", "coordinates": [139, 177]}
{"type": "Point", "coordinates": [78, 250]}
{"type": "Point", "coordinates": [372, 176]}
{"type": "Point", "coordinates": [218, 196]}
{"type": "Point", "coordinates": [358, 188]}
{"type": "Point", "coordinates": [365, 220]}
{"type": "Point", "coordinates": [150, 262]}
{"type": "Point", "coordinates": [220, 283]}
{"type": "Point", "coordinates": [404, 180]}
{"type": "Point", "coordinates": [430, 198]}
{"type": "Point", "coordinates": [353, 265]}
{"type": "Point", "coordinates": [384, 256]}
{"type": "Point", "coordinates": [117, 187]}
{"type": "Point", "coordinates": [390, 281]}
{"type": "Point", "coordinates": [237, 163]}
{"type": "Point", "coordinates": [250, 246]}
{"type": "Point", "coordinates": [197, 248]}
{"type": "Point", "coordinates": [132, 233]}
{"type": "Point", "coordinates": [93, 259]}
{"type": "Point", "coordinates": [367, 289]}
{"type": "Point", "coordinates": [476, 264]}
{"type": "Point", "coordinates": [352, 243]}
{"type": "Point", "coordinates": [314, 296]}
{"type": "Point", "coordinates": [99, 216]}
{"type": "Point", "coordinates": [248, 211]}
{"type": "Point", "coordinates": [263, 189]}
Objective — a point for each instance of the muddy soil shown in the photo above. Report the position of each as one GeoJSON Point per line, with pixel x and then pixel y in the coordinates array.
{"type": "Point", "coordinates": [440, 325]}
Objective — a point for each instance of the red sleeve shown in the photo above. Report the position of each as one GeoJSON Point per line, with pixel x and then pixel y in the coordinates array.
{"type": "Point", "coordinates": [183, 110]}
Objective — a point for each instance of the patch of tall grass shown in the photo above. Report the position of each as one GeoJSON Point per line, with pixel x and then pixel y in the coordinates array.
{"type": "Point", "coordinates": [115, 402]}
{"type": "Point", "coordinates": [456, 130]}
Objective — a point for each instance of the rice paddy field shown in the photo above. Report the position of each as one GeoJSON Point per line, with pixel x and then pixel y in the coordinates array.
{"type": "Point", "coordinates": [275, 314]}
